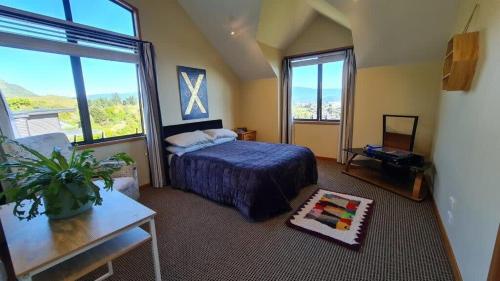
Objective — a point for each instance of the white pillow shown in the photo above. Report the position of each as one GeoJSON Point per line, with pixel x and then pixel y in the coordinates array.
{"type": "Point", "coordinates": [220, 133]}
{"type": "Point", "coordinates": [224, 140]}
{"type": "Point", "coordinates": [178, 150]}
{"type": "Point", "coordinates": [189, 139]}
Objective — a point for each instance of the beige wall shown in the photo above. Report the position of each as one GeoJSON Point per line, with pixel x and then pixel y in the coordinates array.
{"type": "Point", "coordinates": [321, 34]}
{"type": "Point", "coordinates": [136, 149]}
{"type": "Point", "coordinates": [177, 41]}
{"type": "Point", "coordinates": [260, 98]}
{"type": "Point", "coordinates": [260, 108]}
{"type": "Point", "coordinates": [467, 150]}
{"type": "Point", "coordinates": [402, 89]}
{"type": "Point", "coordinates": [323, 140]}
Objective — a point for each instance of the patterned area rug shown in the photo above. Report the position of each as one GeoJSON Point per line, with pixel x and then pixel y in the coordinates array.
{"type": "Point", "coordinates": [338, 217]}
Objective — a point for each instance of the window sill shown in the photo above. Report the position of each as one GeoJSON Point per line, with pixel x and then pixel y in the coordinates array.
{"type": "Point", "coordinates": [315, 122]}
{"type": "Point", "coordinates": [111, 142]}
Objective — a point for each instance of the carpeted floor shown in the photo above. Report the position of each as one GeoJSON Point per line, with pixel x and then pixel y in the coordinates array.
{"type": "Point", "coordinates": [201, 240]}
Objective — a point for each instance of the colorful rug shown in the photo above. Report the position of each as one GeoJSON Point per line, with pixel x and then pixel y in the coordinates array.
{"type": "Point", "coordinates": [337, 217]}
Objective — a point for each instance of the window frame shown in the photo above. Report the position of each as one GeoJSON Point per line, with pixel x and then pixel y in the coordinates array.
{"type": "Point", "coordinates": [79, 83]}
{"type": "Point", "coordinates": [319, 93]}
{"type": "Point", "coordinates": [81, 93]}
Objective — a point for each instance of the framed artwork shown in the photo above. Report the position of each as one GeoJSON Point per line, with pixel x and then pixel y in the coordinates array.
{"type": "Point", "coordinates": [193, 92]}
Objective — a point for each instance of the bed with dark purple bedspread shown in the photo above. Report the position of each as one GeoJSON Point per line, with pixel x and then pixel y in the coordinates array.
{"type": "Point", "coordinates": [257, 178]}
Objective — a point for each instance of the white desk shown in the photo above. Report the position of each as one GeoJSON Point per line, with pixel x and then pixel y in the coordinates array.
{"type": "Point", "coordinates": [68, 249]}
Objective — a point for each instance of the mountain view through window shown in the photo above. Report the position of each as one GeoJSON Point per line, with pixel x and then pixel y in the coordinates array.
{"type": "Point", "coordinates": [42, 92]}
{"type": "Point", "coordinates": [317, 91]}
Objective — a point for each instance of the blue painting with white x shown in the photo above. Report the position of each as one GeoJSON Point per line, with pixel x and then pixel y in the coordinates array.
{"type": "Point", "coordinates": [193, 92]}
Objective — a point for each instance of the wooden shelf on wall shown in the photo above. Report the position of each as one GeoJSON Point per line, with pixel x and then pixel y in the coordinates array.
{"type": "Point", "coordinates": [460, 62]}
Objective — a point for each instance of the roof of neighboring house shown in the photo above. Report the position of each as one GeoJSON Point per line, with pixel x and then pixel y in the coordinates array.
{"type": "Point", "coordinates": [35, 112]}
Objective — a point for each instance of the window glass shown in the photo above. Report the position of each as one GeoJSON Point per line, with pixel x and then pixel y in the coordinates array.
{"type": "Point", "coordinates": [40, 89]}
{"type": "Point", "coordinates": [305, 92]}
{"type": "Point", "coordinates": [113, 98]}
{"type": "Point", "coordinates": [41, 103]}
{"type": "Point", "coordinates": [111, 16]}
{"type": "Point", "coordinates": [50, 8]}
{"type": "Point", "coordinates": [331, 90]}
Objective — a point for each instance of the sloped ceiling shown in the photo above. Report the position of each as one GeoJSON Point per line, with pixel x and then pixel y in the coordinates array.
{"type": "Point", "coordinates": [241, 51]}
{"type": "Point", "coordinates": [330, 11]}
{"type": "Point", "coordinates": [388, 32]}
{"type": "Point", "coordinates": [280, 24]}
{"type": "Point", "coordinates": [385, 32]}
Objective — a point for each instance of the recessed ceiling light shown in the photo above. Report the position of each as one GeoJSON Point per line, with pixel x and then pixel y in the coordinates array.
{"type": "Point", "coordinates": [232, 33]}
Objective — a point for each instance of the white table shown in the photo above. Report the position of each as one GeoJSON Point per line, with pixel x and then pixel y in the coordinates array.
{"type": "Point", "coordinates": [43, 249]}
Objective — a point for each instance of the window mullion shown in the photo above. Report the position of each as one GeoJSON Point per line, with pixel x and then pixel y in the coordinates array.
{"type": "Point", "coordinates": [81, 97]}
{"type": "Point", "coordinates": [320, 92]}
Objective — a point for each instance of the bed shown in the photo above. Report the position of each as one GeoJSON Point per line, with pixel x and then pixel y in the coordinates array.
{"type": "Point", "coordinates": [257, 178]}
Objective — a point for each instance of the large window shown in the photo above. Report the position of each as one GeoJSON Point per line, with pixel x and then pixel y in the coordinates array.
{"type": "Point", "coordinates": [88, 99]}
{"type": "Point", "coordinates": [317, 87]}
{"type": "Point", "coordinates": [112, 98]}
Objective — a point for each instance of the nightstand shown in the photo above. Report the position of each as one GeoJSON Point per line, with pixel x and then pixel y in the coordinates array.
{"type": "Point", "coordinates": [248, 135]}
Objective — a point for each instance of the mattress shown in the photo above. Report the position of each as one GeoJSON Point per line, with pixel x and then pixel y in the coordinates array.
{"type": "Point", "coordinates": [257, 178]}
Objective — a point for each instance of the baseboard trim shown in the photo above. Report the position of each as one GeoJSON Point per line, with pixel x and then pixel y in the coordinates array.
{"type": "Point", "coordinates": [326, 158]}
{"type": "Point", "coordinates": [494, 273]}
{"type": "Point", "coordinates": [447, 244]}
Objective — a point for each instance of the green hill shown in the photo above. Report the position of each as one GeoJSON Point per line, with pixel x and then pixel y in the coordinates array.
{"type": "Point", "coordinates": [12, 90]}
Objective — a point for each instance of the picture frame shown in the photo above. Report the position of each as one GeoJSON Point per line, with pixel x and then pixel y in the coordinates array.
{"type": "Point", "coordinates": [193, 92]}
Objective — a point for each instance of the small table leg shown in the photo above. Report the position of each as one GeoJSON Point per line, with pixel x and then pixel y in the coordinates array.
{"type": "Point", "coordinates": [108, 274]}
{"type": "Point", "coordinates": [417, 186]}
{"type": "Point", "coordinates": [350, 161]}
{"type": "Point", "coordinates": [154, 245]}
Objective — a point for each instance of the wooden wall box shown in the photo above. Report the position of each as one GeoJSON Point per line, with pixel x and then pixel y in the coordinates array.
{"type": "Point", "coordinates": [460, 62]}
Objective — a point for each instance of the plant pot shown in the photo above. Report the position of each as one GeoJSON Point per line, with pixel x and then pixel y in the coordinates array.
{"type": "Point", "coordinates": [65, 201]}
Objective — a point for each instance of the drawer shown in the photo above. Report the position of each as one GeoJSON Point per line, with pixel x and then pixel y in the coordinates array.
{"type": "Point", "coordinates": [249, 136]}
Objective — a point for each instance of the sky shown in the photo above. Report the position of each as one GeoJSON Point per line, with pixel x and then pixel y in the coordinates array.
{"type": "Point", "coordinates": [50, 74]}
{"type": "Point", "coordinates": [307, 76]}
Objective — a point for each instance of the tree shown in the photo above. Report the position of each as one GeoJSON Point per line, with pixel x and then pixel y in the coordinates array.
{"type": "Point", "coordinates": [115, 99]}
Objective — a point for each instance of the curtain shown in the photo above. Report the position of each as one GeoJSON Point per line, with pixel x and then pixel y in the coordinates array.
{"type": "Point", "coordinates": [152, 114]}
{"type": "Point", "coordinates": [286, 102]}
{"type": "Point", "coordinates": [347, 108]}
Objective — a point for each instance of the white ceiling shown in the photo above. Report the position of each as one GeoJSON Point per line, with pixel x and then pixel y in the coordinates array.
{"type": "Point", "coordinates": [388, 32]}
{"type": "Point", "coordinates": [385, 32]}
{"type": "Point", "coordinates": [241, 51]}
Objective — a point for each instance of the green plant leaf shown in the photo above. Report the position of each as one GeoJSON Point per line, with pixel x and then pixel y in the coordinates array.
{"type": "Point", "coordinates": [46, 177]}
{"type": "Point", "coordinates": [56, 155]}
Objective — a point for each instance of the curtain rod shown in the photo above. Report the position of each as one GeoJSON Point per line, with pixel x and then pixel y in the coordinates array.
{"type": "Point", "coordinates": [58, 23]}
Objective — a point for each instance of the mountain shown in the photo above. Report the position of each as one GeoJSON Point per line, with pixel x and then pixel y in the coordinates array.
{"type": "Point", "coordinates": [12, 90]}
{"type": "Point", "coordinates": [305, 95]}
{"type": "Point", "coordinates": [122, 96]}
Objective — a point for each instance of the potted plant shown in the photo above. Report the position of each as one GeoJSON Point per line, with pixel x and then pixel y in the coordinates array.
{"type": "Point", "coordinates": [65, 186]}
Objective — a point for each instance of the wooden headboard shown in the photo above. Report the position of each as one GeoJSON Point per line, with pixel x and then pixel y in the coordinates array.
{"type": "Point", "coordinates": [168, 131]}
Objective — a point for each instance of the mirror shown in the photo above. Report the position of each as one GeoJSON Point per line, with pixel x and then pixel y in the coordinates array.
{"type": "Point", "coordinates": [399, 131]}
